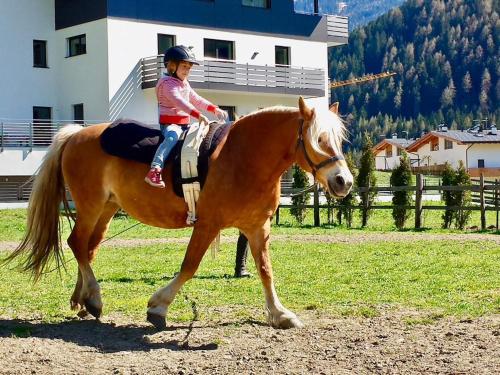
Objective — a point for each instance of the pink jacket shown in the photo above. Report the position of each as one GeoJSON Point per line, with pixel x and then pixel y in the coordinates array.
{"type": "Point", "coordinates": [177, 101]}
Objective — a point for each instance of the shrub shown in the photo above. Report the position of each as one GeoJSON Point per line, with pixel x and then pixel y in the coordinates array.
{"type": "Point", "coordinates": [447, 179]}
{"type": "Point", "coordinates": [366, 177]}
{"type": "Point", "coordinates": [462, 198]}
{"type": "Point", "coordinates": [347, 203]}
{"type": "Point", "coordinates": [401, 176]}
{"type": "Point", "coordinates": [300, 181]}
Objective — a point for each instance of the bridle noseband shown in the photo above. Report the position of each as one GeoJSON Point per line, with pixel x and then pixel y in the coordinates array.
{"type": "Point", "coordinates": [314, 167]}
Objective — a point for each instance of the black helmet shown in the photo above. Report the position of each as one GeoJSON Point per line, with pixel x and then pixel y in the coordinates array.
{"type": "Point", "coordinates": [179, 53]}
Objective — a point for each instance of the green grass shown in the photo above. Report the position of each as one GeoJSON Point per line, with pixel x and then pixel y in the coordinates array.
{"type": "Point", "coordinates": [13, 224]}
{"type": "Point", "coordinates": [440, 278]}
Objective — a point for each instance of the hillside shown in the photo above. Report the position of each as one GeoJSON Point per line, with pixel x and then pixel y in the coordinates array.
{"type": "Point", "coordinates": [360, 12]}
{"type": "Point", "coordinates": [446, 54]}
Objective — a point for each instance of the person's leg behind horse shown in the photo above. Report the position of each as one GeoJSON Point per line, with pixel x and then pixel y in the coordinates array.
{"type": "Point", "coordinates": [240, 269]}
{"type": "Point", "coordinates": [278, 315]}
{"type": "Point", "coordinates": [203, 234]}
{"type": "Point", "coordinates": [171, 134]}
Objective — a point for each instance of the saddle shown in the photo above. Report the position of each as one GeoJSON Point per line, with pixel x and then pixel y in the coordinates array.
{"type": "Point", "coordinates": [137, 141]}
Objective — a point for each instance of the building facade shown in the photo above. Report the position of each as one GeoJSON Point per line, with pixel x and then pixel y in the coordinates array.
{"type": "Point", "coordinates": [98, 60]}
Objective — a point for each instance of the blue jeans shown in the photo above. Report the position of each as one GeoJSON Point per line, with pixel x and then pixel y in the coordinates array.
{"type": "Point", "coordinates": [171, 133]}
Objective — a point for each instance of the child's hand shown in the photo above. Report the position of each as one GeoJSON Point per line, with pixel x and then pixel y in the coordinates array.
{"type": "Point", "coordinates": [203, 120]}
{"type": "Point", "coordinates": [221, 114]}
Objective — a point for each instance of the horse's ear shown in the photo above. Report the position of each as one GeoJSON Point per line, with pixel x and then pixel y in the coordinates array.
{"type": "Point", "coordinates": [305, 111]}
{"type": "Point", "coordinates": [335, 108]}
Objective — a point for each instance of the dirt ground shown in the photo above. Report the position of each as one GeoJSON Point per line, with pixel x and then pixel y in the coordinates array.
{"type": "Point", "coordinates": [386, 344]}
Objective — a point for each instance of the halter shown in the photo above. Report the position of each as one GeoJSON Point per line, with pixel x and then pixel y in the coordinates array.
{"type": "Point", "coordinates": [314, 167]}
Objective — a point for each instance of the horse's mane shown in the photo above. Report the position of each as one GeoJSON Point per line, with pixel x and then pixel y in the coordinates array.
{"type": "Point", "coordinates": [325, 121]}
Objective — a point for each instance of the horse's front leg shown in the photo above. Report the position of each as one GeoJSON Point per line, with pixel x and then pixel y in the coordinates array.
{"type": "Point", "coordinates": [158, 304]}
{"type": "Point", "coordinates": [278, 315]}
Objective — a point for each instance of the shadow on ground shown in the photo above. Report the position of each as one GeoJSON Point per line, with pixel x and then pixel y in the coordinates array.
{"type": "Point", "coordinates": [110, 338]}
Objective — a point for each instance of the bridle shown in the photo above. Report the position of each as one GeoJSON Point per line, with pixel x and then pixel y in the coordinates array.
{"type": "Point", "coordinates": [314, 167]}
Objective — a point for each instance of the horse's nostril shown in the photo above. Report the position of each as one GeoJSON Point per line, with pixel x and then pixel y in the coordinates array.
{"type": "Point", "coordinates": [339, 180]}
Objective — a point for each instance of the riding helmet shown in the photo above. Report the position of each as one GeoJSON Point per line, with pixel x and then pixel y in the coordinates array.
{"type": "Point", "coordinates": [179, 53]}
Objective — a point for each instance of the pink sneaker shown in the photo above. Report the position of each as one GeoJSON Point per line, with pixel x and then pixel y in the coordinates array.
{"type": "Point", "coordinates": [154, 178]}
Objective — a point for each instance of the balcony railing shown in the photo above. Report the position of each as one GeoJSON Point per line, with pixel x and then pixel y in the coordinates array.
{"type": "Point", "coordinates": [29, 134]}
{"type": "Point", "coordinates": [337, 29]}
{"type": "Point", "coordinates": [230, 76]}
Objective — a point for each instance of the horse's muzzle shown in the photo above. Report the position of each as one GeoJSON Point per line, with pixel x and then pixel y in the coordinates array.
{"type": "Point", "coordinates": [340, 185]}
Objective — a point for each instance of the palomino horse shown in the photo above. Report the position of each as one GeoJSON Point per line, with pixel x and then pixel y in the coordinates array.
{"type": "Point", "coordinates": [242, 190]}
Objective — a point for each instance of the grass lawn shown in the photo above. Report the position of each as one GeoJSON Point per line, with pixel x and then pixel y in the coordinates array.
{"type": "Point", "coordinates": [440, 277]}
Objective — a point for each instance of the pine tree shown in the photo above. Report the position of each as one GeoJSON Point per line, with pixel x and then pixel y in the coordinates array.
{"type": "Point", "coordinates": [345, 205]}
{"type": "Point", "coordinates": [300, 181]}
{"type": "Point", "coordinates": [401, 176]}
{"type": "Point", "coordinates": [366, 177]}
{"type": "Point", "coordinates": [462, 198]}
{"type": "Point", "coordinates": [447, 179]}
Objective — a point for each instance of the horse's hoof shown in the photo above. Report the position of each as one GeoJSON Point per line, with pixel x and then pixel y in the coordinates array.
{"type": "Point", "coordinates": [291, 323]}
{"type": "Point", "coordinates": [94, 311]}
{"type": "Point", "coordinates": [158, 321]}
{"type": "Point", "coordinates": [82, 313]}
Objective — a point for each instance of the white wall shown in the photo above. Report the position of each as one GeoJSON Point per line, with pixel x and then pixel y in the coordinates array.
{"type": "Point", "coordinates": [490, 152]}
{"type": "Point", "coordinates": [84, 78]}
{"type": "Point", "coordinates": [21, 85]}
{"type": "Point", "coordinates": [20, 162]}
{"type": "Point", "coordinates": [452, 156]}
{"type": "Point", "coordinates": [382, 162]}
{"type": "Point", "coordinates": [130, 41]}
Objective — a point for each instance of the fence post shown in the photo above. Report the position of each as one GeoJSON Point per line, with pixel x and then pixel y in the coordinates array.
{"type": "Point", "coordinates": [481, 202]}
{"type": "Point", "coordinates": [418, 201]}
{"type": "Point", "coordinates": [496, 199]}
{"type": "Point", "coordinates": [316, 206]}
{"type": "Point", "coordinates": [278, 215]}
{"type": "Point", "coordinates": [1, 136]}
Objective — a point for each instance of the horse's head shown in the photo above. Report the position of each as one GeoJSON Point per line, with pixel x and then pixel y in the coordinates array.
{"type": "Point", "coordinates": [320, 142]}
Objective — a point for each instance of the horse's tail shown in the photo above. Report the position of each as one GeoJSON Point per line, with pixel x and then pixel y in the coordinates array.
{"type": "Point", "coordinates": [42, 240]}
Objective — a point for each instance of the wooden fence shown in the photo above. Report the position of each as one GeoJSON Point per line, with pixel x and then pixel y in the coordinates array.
{"type": "Point", "coordinates": [485, 197]}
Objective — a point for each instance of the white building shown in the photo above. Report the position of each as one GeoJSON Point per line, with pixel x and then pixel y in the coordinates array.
{"type": "Point", "coordinates": [478, 150]}
{"type": "Point", "coordinates": [388, 152]}
{"type": "Point", "coordinates": [96, 61]}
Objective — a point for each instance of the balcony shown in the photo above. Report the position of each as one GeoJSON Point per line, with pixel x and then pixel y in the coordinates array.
{"type": "Point", "coordinates": [229, 76]}
{"type": "Point", "coordinates": [337, 30]}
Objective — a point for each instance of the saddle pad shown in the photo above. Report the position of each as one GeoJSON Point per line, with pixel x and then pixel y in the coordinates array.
{"type": "Point", "coordinates": [131, 140]}
{"type": "Point", "coordinates": [137, 141]}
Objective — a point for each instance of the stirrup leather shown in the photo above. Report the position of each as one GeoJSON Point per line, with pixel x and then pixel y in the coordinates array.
{"type": "Point", "coordinates": [189, 168]}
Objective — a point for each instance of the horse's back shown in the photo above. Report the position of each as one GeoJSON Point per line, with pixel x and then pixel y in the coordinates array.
{"type": "Point", "coordinates": [95, 177]}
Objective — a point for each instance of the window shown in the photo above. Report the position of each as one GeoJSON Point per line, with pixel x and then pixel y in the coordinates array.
{"type": "Point", "coordinates": [40, 54]}
{"type": "Point", "coordinates": [219, 49]}
{"type": "Point", "coordinates": [42, 134]}
{"type": "Point", "coordinates": [165, 42]}
{"type": "Point", "coordinates": [388, 151]}
{"type": "Point", "coordinates": [399, 151]}
{"type": "Point", "coordinates": [435, 145]}
{"type": "Point", "coordinates": [282, 55]}
{"type": "Point", "coordinates": [231, 111]}
{"type": "Point", "coordinates": [78, 113]}
{"type": "Point", "coordinates": [480, 163]}
{"type": "Point", "coordinates": [448, 145]}
{"type": "Point", "coordinates": [257, 3]}
{"type": "Point", "coordinates": [77, 45]}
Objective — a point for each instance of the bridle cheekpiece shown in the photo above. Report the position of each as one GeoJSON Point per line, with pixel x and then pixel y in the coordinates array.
{"type": "Point", "coordinates": [314, 167]}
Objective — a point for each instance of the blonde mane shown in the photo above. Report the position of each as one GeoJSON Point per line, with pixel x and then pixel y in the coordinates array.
{"type": "Point", "coordinates": [325, 121]}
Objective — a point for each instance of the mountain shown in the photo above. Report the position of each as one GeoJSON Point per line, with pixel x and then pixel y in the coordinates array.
{"type": "Point", "coordinates": [360, 12]}
{"type": "Point", "coordinates": [446, 56]}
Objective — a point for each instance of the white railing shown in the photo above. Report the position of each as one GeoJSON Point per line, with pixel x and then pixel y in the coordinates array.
{"type": "Point", "coordinates": [34, 133]}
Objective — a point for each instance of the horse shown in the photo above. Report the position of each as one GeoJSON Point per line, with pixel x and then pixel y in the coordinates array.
{"type": "Point", "coordinates": [242, 190]}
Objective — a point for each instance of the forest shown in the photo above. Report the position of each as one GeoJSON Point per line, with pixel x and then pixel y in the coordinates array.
{"type": "Point", "coordinates": [446, 56]}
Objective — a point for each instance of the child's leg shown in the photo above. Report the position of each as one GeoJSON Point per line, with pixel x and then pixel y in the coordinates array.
{"type": "Point", "coordinates": [171, 134]}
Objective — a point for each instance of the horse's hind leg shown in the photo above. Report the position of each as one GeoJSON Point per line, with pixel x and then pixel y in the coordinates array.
{"type": "Point", "coordinates": [278, 315]}
{"type": "Point", "coordinates": [77, 300]}
{"type": "Point", "coordinates": [203, 235]}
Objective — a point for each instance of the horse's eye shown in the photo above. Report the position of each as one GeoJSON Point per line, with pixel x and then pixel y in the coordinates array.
{"type": "Point", "coordinates": [319, 140]}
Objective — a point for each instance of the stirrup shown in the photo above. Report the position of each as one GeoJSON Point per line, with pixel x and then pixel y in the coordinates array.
{"type": "Point", "coordinates": [191, 218]}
